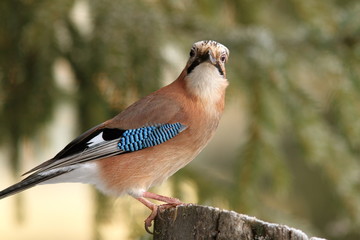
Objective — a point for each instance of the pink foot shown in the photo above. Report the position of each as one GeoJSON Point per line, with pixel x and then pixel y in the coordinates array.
{"type": "Point", "coordinates": [170, 202]}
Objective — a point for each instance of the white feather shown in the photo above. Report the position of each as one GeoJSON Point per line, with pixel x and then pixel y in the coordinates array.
{"type": "Point", "coordinates": [96, 140]}
{"type": "Point", "coordinates": [206, 82]}
{"type": "Point", "coordinates": [81, 173]}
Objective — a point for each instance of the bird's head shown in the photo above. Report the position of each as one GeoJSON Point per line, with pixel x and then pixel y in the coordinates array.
{"type": "Point", "coordinates": [208, 52]}
{"type": "Point", "coordinates": [205, 70]}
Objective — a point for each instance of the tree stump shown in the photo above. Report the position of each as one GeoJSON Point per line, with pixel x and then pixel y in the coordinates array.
{"type": "Point", "coordinates": [193, 222]}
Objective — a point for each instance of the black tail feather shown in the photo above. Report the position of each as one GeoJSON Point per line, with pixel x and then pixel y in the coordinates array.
{"type": "Point", "coordinates": [28, 182]}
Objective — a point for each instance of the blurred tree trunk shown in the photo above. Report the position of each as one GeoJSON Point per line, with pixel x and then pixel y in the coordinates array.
{"type": "Point", "coordinates": [202, 222]}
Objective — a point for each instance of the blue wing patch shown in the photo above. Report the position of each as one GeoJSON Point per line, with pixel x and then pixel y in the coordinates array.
{"type": "Point", "coordinates": [140, 138]}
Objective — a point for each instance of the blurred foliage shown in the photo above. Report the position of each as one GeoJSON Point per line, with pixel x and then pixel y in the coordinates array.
{"type": "Point", "coordinates": [296, 63]}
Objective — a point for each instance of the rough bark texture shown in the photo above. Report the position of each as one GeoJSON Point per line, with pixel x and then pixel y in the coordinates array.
{"type": "Point", "coordinates": [202, 222]}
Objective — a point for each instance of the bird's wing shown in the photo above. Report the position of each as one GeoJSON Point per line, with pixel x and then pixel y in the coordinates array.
{"type": "Point", "coordinates": [107, 142]}
{"type": "Point", "coordinates": [110, 138]}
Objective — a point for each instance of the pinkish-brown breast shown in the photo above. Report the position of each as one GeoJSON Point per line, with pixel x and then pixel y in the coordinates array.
{"type": "Point", "coordinates": [139, 170]}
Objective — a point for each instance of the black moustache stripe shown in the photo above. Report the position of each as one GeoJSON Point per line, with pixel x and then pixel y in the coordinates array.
{"type": "Point", "coordinates": [197, 61]}
{"type": "Point", "coordinates": [219, 69]}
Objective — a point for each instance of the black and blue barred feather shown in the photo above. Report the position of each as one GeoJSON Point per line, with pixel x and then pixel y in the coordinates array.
{"type": "Point", "coordinates": [140, 138]}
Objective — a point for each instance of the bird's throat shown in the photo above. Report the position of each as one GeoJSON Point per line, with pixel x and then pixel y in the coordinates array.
{"type": "Point", "coordinates": [206, 83]}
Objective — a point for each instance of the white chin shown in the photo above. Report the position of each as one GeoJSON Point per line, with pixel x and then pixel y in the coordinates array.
{"type": "Point", "coordinates": [206, 82]}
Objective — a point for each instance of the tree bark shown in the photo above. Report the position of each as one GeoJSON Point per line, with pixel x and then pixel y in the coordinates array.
{"type": "Point", "coordinates": [193, 222]}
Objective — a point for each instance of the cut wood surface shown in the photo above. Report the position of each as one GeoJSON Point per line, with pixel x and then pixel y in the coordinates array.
{"type": "Point", "coordinates": [202, 222]}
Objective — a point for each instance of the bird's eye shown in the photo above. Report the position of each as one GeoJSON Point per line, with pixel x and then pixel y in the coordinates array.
{"type": "Point", "coordinates": [192, 52]}
{"type": "Point", "coordinates": [223, 58]}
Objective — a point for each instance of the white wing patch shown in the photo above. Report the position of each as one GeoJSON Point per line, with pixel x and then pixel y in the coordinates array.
{"type": "Point", "coordinates": [96, 140]}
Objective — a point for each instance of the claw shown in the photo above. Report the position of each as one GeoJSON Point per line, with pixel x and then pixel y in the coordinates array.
{"type": "Point", "coordinates": [150, 218]}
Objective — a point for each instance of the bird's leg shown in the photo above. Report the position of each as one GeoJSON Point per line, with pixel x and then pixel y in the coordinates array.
{"type": "Point", "coordinates": [170, 202]}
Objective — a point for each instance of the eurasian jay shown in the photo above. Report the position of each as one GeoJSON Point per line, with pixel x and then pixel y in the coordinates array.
{"type": "Point", "coordinates": [150, 140]}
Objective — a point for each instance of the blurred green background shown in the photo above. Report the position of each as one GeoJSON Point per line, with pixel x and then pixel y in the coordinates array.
{"type": "Point", "coordinates": [287, 150]}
